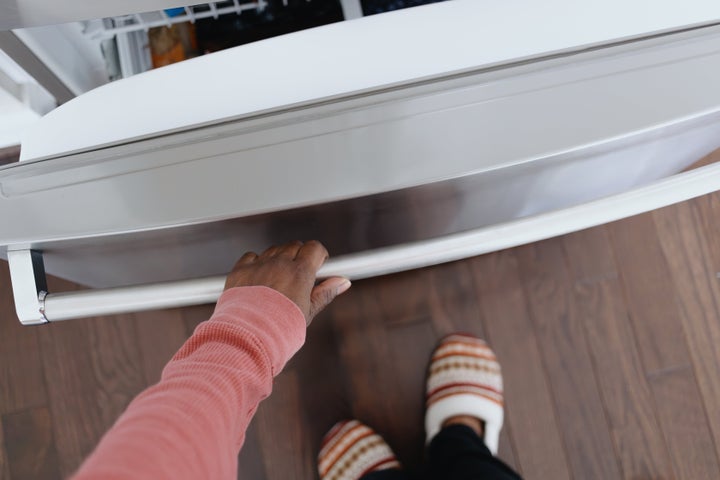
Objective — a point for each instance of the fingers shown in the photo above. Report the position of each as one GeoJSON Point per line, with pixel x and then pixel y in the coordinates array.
{"type": "Point", "coordinates": [234, 276]}
{"type": "Point", "coordinates": [291, 269]}
{"type": "Point", "coordinates": [287, 250]}
{"type": "Point", "coordinates": [270, 252]}
{"type": "Point", "coordinates": [313, 253]}
{"type": "Point", "coordinates": [247, 258]}
{"type": "Point", "coordinates": [324, 293]}
{"type": "Point", "coordinates": [290, 250]}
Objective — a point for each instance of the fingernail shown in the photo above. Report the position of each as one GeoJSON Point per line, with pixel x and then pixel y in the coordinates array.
{"type": "Point", "coordinates": [343, 287]}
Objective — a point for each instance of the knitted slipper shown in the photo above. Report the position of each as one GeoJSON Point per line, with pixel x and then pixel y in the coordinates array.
{"type": "Point", "coordinates": [350, 450]}
{"type": "Point", "coordinates": [464, 379]}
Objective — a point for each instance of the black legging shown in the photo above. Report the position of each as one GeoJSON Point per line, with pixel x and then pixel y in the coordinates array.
{"type": "Point", "coordinates": [456, 453]}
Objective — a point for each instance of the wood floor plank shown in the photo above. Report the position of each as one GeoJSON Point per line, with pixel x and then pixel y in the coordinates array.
{"type": "Point", "coordinates": [21, 370]}
{"type": "Point", "coordinates": [364, 350]}
{"type": "Point", "coordinates": [652, 299]}
{"type": "Point", "coordinates": [193, 316]}
{"type": "Point", "coordinates": [540, 452]}
{"type": "Point", "coordinates": [251, 465]}
{"type": "Point", "coordinates": [283, 437]}
{"type": "Point", "coordinates": [93, 369]}
{"type": "Point", "coordinates": [649, 293]}
{"type": "Point", "coordinates": [708, 211]}
{"type": "Point", "coordinates": [639, 444]}
{"type": "Point", "coordinates": [411, 346]}
{"type": "Point", "coordinates": [567, 361]}
{"type": "Point", "coordinates": [160, 334]}
{"type": "Point", "coordinates": [709, 159]}
{"type": "Point", "coordinates": [4, 464]}
{"type": "Point", "coordinates": [323, 396]}
{"type": "Point", "coordinates": [627, 400]}
{"type": "Point", "coordinates": [452, 300]}
{"type": "Point", "coordinates": [683, 420]}
{"type": "Point", "coordinates": [30, 445]}
{"type": "Point", "coordinates": [9, 154]}
{"type": "Point", "coordinates": [384, 364]}
{"type": "Point", "coordinates": [506, 448]}
{"type": "Point", "coordinates": [403, 297]}
{"type": "Point", "coordinates": [590, 256]}
{"type": "Point", "coordinates": [698, 294]}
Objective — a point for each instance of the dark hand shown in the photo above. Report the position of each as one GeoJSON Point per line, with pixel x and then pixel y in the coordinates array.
{"type": "Point", "coordinates": [291, 269]}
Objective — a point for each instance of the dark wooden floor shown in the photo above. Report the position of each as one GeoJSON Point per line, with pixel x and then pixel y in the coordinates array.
{"type": "Point", "coordinates": [9, 155]}
{"type": "Point", "coordinates": [608, 339]}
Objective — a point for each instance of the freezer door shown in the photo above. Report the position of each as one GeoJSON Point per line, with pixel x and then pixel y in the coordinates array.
{"type": "Point", "coordinates": [400, 176]}
{"type": "Point", "coordinates": [35, 305]}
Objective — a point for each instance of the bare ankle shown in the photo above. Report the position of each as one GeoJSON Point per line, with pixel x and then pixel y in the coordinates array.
{"type": "Point", "coordinates": [475, 423]}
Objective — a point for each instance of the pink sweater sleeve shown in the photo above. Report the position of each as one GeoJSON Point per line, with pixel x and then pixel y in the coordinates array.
{"type": "Point", "coordinates": [192, 423]}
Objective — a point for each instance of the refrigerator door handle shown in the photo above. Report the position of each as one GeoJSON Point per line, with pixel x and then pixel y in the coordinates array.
{"type": "Point", "coordinates": [35, 306]}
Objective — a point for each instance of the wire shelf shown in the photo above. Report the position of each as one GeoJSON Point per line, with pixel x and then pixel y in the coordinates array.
{"type": "Point", "coordinates": [145, 21]}
{"type": "Point", "coordinates": [124, 40]}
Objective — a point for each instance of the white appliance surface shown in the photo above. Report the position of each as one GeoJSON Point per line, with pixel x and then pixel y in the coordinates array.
{"type": "Point", "coordinates": [349, 58]}
{"type": "Point", "coordinates": [376, 138]}
{"type": "Point", "coordinates": [508, 120]}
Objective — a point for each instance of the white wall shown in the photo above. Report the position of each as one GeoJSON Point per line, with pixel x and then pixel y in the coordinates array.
{"type": "Point", "coordinates": [22, 101]}
{"type": "Point", "coordinates": [15, 118]}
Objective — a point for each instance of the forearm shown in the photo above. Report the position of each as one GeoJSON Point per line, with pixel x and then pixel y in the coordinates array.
{"type": "Point", "coordinates": [192, 423]}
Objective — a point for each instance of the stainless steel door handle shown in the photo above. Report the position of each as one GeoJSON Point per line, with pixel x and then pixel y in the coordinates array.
{"type": "Point", "coordinates": [35, 306]}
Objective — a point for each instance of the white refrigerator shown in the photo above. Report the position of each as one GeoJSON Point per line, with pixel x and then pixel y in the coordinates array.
{"type": "Point", "coordinates": [399, 140]}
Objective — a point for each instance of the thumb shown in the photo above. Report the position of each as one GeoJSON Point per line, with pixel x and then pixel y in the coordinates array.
{"type": "Point", "coordinates": [324, 293]}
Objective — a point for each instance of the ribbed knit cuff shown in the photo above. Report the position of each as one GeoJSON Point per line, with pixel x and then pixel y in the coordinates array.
{"type": "Point", "coordinates": [272, 318]}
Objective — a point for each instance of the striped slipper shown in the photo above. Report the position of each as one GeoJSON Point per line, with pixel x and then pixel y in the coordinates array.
{"type": "Point", "coordinates": [350, 450]}
{"type": "Point", "coordinates": [464, 379]}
